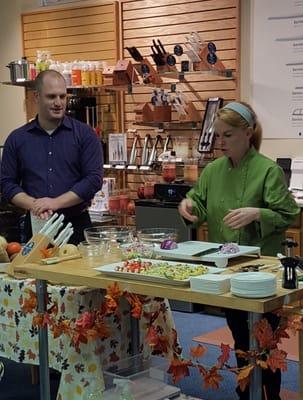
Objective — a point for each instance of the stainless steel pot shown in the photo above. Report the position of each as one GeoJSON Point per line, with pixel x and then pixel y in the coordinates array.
{"type": "Point", "coordinates": [19, 70]}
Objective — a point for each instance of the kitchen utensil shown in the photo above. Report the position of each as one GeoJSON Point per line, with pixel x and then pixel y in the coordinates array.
{"type": "Point", "coordinates": [59, 239]}
{"type": "Point", "coordinates": [208, 251]}
{"type": "Point", "coordinates": [153, 154]}
{"type": "Point", "coordinates": [56, 260]}
{"type": "Point", "coordinates": [134, 52]}
{"type": "Point", "coordinates": [134, 150]}
{"type": "Point", "coordinates": [19, 70]}
{"type": "Point", "coordinates": [146, 149]}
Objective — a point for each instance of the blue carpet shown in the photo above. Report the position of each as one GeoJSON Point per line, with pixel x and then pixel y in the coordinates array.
{"type": "Point", "coordinates": [16, 383]}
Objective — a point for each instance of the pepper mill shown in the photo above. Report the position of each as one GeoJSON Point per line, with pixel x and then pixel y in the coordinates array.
{"type": "Point", "coordinates": [290, 244]}
{"type": "Point", "coordinates": [290, 279]}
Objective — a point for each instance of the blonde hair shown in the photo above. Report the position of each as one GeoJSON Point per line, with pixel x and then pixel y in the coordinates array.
{"type": "Point", "coordinates": [232, 118]}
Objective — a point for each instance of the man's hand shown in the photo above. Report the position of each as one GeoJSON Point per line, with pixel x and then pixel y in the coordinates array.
{"type": "Point", "coordinates": [44, 207]}
{"type": "Point", "coordinates": [186, 208]}
{"type": "Point", "coordinates": [240, 217]}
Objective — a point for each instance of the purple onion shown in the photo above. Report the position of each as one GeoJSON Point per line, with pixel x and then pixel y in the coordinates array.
{"type": "Point", "coordinates": [168, 244]}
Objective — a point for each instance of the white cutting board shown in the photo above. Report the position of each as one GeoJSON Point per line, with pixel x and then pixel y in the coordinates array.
{"type": "Point", "coordinates": [186, 251]}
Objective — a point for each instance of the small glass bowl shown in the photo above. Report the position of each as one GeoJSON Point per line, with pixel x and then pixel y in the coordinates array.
{"type": "Point", "coordinates": [157, 235]}
{"type": "Point", "coordinates": [137, 250]}
{"type": "Point", "coordinates": [92, 250]}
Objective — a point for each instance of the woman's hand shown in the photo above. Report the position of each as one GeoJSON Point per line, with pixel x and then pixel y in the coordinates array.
{"type": "Point", "coordinates": [240, 217]}
{"type": "Point", "coordinates": [186, 208]}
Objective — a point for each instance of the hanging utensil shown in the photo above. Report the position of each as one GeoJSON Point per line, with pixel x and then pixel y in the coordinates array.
{"type": "Point", "coordinates": [134, 150]}
{"type": "Point", "coordinates": [153, 154]}
{"type": "Point", "coordinates": [146, 149]}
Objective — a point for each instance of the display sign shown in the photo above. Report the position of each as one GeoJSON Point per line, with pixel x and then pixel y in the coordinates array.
{"type": "Point", "coordinates": [278, 67]}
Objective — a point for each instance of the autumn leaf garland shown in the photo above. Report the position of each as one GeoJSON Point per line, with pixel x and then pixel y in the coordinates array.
{"type": "Point", "coordinates": [91, 326]}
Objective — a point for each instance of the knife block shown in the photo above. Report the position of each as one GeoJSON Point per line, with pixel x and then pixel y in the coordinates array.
{"type": "Point", "coordinates": [192, 114]}
{"type": "Point", "coordinates": [144, 112]}
{"type": "Point", "coordinates": [31, 252]}
{"type": "Point", "coordinates": [124, 73]}
{"type": "Point", "coordinates": [205, 65]}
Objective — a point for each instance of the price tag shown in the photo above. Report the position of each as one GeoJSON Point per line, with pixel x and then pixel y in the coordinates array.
{"type": "Point", "coordinates": [120, 166]}
{"type": "Point", "coordinates": [133, 167]}
{"type": "Point", "coordinates": [145, 168]}
{"type": "Point", "coordinates": [107, 166]}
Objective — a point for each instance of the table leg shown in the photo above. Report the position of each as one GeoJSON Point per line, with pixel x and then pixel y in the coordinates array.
{"type": "Point", "coordinates": [41, 289]}
{"type": "Point", "coordinates": [135, 335]}
{"type": "Point", "coordinates": [255, 388]}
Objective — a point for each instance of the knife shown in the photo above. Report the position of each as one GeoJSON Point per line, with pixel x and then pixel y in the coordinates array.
{"type": "Point", "coordinates": [206, 252]}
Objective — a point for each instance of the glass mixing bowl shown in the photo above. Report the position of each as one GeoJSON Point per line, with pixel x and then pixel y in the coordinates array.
{"type": "Point", "coordinates": [117, 234]}
{"type": "Point", "coordinates": [157, 235]}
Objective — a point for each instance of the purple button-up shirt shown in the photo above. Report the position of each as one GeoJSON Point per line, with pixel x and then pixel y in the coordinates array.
{"type": "Point", "coordinates": [43, 165]}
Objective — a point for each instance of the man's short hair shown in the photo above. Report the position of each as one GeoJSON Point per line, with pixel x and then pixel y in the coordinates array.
{"type": "Point", "coordinates": [40, 77]}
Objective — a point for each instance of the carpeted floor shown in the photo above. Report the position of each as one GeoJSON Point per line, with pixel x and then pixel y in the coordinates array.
{"type": "Point", "coordinates": [223, 335]}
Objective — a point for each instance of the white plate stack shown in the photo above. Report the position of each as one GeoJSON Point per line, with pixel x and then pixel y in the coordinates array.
{"type": "Point", "coordinates": [211, 283]}
{"type": "Point", "coordinates": [254, 284]}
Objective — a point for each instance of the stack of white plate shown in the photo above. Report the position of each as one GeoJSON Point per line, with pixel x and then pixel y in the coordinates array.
{"type": "Point", "coordinates": [254, 284]}
{"type": "Point", "coordinates": [211, 283]}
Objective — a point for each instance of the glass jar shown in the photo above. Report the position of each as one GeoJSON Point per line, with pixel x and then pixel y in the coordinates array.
{"type": "Point", "coordinates": [181, 146]}
{"type": "Point", "coordinates": [114, 203]}
{"type": "Point", "coordinates": [124, 199]}
{"type": "Point", "coordinates": [92, 250]}
{"type": "Point", "coordinates": [169, 170]}
{"type": "Point", "coordinates": [149, 190]}
{"type": "Point", "coordinates": [190, 172]}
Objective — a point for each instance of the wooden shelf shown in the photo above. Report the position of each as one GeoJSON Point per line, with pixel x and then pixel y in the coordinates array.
{"type": "Point", "coordinates": [173, 124]}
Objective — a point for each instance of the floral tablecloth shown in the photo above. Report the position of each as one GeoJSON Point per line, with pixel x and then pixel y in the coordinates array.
{"type": "Point", "coordinates": [81, 371]}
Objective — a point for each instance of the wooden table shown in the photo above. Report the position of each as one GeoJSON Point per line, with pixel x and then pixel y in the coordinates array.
{"type": "Point", "coordinates": [81, 272]}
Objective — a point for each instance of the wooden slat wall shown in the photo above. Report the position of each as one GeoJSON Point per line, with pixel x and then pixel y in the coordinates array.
{"type": "Point", "coordinates": [170, 21]}
{"type": "Point", "coordinates": [77, 33]}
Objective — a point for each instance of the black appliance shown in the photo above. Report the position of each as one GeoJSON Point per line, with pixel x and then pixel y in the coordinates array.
{"type": "Point", "coordinates": [83, 108]}
{"type": "Point", "coordinates": [162, 211]}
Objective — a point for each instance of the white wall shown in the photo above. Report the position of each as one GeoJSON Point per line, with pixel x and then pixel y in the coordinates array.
{"type": "Point", "coordinates": [12, 107]}
{"type": "Point", "coordinates": [12, 113]}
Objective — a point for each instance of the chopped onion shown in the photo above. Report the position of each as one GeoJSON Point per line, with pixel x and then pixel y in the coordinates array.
{"type": "Point", "coordinates": [168, 244]}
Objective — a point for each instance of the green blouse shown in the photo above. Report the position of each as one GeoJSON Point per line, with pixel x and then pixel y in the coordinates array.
{"type": "Point", "coordinates": [256, 182]}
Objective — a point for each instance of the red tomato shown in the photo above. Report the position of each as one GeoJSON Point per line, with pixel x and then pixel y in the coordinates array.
{"type": "Point", "coordinates": [13, 247]}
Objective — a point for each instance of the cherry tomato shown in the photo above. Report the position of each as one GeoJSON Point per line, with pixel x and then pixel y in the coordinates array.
{"type": "Point", "coordinates": [13, 247]}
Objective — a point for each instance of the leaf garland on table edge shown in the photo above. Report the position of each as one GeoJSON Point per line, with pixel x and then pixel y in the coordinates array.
{"type": "Point", "coordinates": [91, 326]}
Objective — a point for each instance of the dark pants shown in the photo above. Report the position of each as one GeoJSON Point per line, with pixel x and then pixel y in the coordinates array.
{"type": "Point", "coordinates": [79, 222]}
{"type": "Point", "coordinates": [237, 322]}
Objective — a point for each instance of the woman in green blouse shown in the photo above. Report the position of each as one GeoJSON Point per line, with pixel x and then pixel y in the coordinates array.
{"type": "Point", "coordinates": [244, 199]}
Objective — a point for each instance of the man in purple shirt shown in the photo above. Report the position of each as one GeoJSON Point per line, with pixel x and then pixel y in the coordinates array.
{"type": "Point", "coordinates": [54, 163]}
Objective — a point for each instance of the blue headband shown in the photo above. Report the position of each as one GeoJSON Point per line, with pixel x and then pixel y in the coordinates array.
{"type": "Point", "coordinates": [242, 110]}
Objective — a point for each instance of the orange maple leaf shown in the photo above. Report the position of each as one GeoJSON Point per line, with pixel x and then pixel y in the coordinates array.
{"type": "Point", "coordinates": [212, 379]}
{"type": "Point", "coordinates": [31, 355]}
{"type": "Point", "coordinates": [103, 330]}
{"type": "Point", "coordinates": [295, 323]}
{"type": "Point", "coordinates": [114, 291]}
{"type": "Point", "coordinates": [276, 360]}
{"type": "Point", "coordinates": [243, 377]}
{"type": "Point", "coordinates": [198, 351]}
{"type": "Point", "coordinates": [179, 369]}
{"type": "Point", "coordinates": [162, 345]}
{"type": "Point", "coordinates": [151, 336]}
{"type": "Point", "coordinates": [225, 354]}
{"type": "Point", "coordinates": [264, 334]}
{"type": "Point", "coordinates": [38, 320]}
{"type": "Point", "coordinates": [57, 330]}
{"type": "Point", "coordinates": [86, 321]}
{"type": "Point", "coordinates": [30, 304]}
